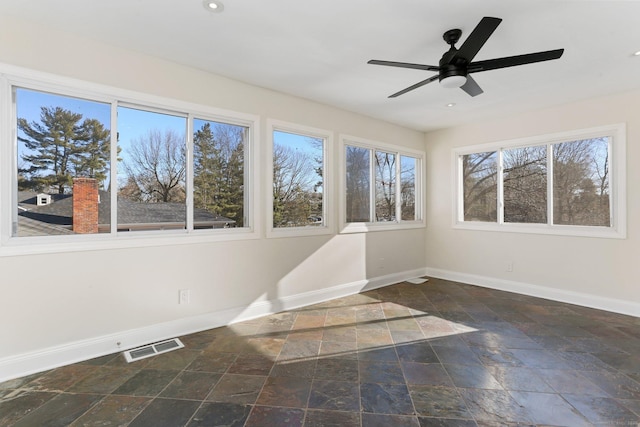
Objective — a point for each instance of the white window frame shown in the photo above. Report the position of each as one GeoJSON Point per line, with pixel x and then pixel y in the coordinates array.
{"type": "Point", "coordinates": [617, 184]}
{"type": "Point", "coordinates": [399, 224]}
{"type": "Point", "coordinates": [327, 182]}
{"type": "Point", "coordinates": [251, 175]}
{"type": "Point", "coordinates": [11, 76]}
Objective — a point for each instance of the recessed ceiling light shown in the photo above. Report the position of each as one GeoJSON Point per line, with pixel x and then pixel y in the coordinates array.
{"type": "Point", "coordinates": [213, 5]}
{"type": "Point", "coordinates": [451, 104]}
{"type": "Point", "coordinates": [636, 53]}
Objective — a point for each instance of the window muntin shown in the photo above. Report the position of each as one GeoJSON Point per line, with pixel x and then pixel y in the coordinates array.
{"type": "Point", "coordinates": [575, 182]}
{"type": "Point", "coordinates": [381, 187]}
{"type": "Point", "coordinates": [151, 171]}
{"type": "Point", "coordinates": [218, 174]}
{"type": "Point", "coordinates": [107, 102]}
{"type": "Point", "coordinates": [63, 165]}
{"type": "Point", "coordinates": [298, 187]}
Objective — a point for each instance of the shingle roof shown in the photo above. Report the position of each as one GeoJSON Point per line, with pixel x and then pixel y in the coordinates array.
{"type": "Point", "coordinates": [60, 211]}
{"type": "Point", "coordinates": [32, 227]}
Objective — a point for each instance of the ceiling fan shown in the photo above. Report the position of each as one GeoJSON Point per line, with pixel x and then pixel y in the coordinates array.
{"type": "Point", "coordinates": [456, 65]}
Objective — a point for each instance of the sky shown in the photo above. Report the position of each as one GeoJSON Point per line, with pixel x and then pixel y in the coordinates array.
{"type": "Point", "coordinates": [132, 123]}
{"type": "Point", "coordinates": [28, 105]}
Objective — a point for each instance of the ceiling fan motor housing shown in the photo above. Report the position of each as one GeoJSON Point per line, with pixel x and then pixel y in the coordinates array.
{"type": "Point", "coordinates": [450, 70]}
{"type": "Point", "coordinates": [451, 66]}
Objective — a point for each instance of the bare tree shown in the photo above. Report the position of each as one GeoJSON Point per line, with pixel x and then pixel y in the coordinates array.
{"type": "Point", "coordinates": [581, 182]}
{"type": "Point", "coordinates": [479, 172]}
{"type": "Point", "coordinates": [408, 188]}
{"type": "Point", "coordinates": [385, 186]}
{"type": "Point", "coordinates": [155, 164]}
{"type": "Point", "coordinates": [358, 184]}
{"type": "Point", "coordinates": [294, 178]}
{"type": "Point", "coordinates": [525, 184]}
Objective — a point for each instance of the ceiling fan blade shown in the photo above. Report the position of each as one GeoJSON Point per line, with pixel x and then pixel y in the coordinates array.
{"type": "Point", "coordinates": [511, 61]}
{"type": "Point", "coordinates": [471, 87]}
{"type": "Point", "coordinates": [476, 39]}
{"type": "Point", "coordinates": [404, 65]}
{"type": "Point", "coordinates": [415, 86]}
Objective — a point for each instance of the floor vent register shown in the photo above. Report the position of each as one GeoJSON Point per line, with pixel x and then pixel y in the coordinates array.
{"type": "Point", "coordinates": [152, 349]}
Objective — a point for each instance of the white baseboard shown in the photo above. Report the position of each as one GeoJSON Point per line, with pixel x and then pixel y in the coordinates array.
{"type": "Point", "coordinates": [65, 354]}
{"type": "Point", "coordinates": [578, 298]}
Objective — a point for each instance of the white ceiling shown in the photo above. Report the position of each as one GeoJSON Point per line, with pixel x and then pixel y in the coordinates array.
{"type": "Point", "coordinates": [319, 49]}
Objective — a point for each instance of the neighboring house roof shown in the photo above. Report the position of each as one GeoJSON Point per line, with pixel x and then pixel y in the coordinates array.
{"type": "Point", "coordinates": [58, 212]}
{"type": "Point", "coordinates": [32, 227]}
{"type": "Point", "coordinates": [131, 215]}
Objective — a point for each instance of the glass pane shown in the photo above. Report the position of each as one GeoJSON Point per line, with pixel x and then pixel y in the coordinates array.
{"type": "Point", "coordinates": [218, 174]}
{"type": "Point", "coordinates": [385, 186]}
{"type": "Point", "coordinates": [408, 188]}
{"type": "Point", "coordinates": [581, 182]}
{"type": "Point", "coordinates": [297, 180]}
{"type": "Point", "coordinates": [63, 165]}
{"type": "Point", "coordinates": [480, 188]}
{"type": "Point", "coordinates": [151, 170]}
{"type": "Point", "coordinates": [525, 185]}
{"type": "Point", "coordinates": [358, 184]}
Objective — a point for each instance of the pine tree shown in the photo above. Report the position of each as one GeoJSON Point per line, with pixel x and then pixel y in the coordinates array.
{"type": "Point", "coordinates": [232, 197]}
{"type": "Point", "coordinates": [60, 148]}
{"type": "Point", "coordinates": [94, 151]}
{"type": "Point", "coordinates": [206, 169]}
{"type": "Point", "coordinates": [219, 170]}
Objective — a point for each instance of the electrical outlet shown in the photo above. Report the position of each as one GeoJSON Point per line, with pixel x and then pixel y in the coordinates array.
{"type": "Point", "coordinates": [184, 295]}
{"type": "Point", "coordinates": [510, 266]}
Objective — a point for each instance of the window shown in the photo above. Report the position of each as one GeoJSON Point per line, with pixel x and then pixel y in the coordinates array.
{"type": "Point", "coordinates": [408, 188]}
{"type": "Point", "coordinates": [63, 149]}
{"type": "Point", "coordinates": [152, 170]}
{"type": "Point", "coordinates": [569, 183]}
{"type": "Point", "coordinates": [581, 191]}
{"type": "Point", "coordinates": [298, 180]}
{"type": "Point", "coordinates": [358, 182]}
{"type": "Point", "coordinates": [96, 163]}
{"type": "Point", "coordinates": [479, 172]}
{"type": "Point", "coordinates": [524, 179]}
{"type": "Point", "coordinates": [382, 188]}
{"type": "Point", "coordinates": [219, 174]}
{"type": "Point", "coordinates": [385, 186]}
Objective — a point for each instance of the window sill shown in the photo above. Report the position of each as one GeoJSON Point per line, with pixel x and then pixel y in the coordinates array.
{"type": "Point", "coordinates": [17, 246]}
{"type": "Point", "coordinates": [557, 230]}
{"type": "Point", "coordinates": [366, 227]}
{"type": "Point", "coordinates": [298, 231]}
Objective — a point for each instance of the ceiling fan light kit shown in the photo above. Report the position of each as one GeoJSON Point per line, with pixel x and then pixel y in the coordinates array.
{"type": "Point", "coordinates": [454, 81]}
{"type": "Point", "coordinates": [456, 64]}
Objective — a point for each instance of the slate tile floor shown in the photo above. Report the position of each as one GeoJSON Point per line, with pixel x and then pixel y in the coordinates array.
{"type": "Point", "coordinates": [437, 354]}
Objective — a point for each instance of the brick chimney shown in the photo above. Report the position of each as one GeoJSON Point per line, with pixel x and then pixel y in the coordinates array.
{"type": "Point", "coordinates": [85, 205]}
